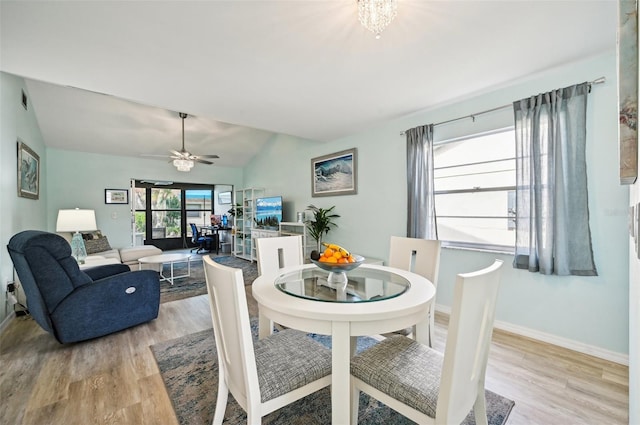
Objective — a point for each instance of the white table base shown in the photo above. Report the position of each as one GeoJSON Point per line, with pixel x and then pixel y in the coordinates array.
{"type": "Point", "coordinates": [345, 322]}
{"type": "Point", "coordinates": [170, 259]}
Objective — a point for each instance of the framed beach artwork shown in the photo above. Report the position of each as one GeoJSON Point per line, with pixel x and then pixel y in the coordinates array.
{"type": "Point", "coordinates": [28, 172]}
{"type": "Point", "coordinates": [335, 174]}
{"type": "Point", "coordinates": [116, 196]}
{"type": "Point", "coordinates": [628, 89]}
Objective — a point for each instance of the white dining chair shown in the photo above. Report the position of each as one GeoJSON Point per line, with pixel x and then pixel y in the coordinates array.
{"type": "Point", "coordinates": [275, 253]}
{"type": "Point", "coordinates": [420, 256]}
{"type": "Point", "coordinates": [421, 383]}
{"type": "Point", "coordinates": [264, 375]}
{"type": "Point", "coordinates": [278, 252]}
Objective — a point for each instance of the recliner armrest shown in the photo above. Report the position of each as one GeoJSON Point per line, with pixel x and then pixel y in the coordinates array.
{"type": "Point", "coordinates": [100, 272]}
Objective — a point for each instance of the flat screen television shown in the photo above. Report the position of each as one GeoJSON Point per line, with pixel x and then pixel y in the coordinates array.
{"type": "Point", "coordinates": [269, 212]}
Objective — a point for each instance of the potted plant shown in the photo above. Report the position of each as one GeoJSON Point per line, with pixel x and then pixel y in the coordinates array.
{"type": "Point", "coordinates": [237, 209]}
{"type": "Point", "coordinates": [321, 223]}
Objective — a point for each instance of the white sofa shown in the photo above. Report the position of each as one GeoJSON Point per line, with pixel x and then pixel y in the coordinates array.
{"type": "Point", "coordinates": [128, 256]}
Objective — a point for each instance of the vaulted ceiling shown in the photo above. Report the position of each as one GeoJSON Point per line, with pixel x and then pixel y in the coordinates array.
{"type": "Point", "coordinates": [111, 76]}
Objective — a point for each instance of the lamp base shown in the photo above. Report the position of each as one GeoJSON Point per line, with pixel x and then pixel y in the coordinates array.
{"type": "Point", "coordinates": [78, 250]}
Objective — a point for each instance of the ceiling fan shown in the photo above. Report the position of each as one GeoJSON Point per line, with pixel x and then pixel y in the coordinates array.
{"type": "Point", "coordinates": [184, 160]}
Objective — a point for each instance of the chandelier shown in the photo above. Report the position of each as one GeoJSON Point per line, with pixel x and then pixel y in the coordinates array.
{"type": "Point", "coordinates": [376, 15]}
{"type": "Point", "coordinates": [183, 164]}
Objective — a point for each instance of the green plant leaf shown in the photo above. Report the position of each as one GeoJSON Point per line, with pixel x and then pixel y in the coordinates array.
{"type": "Point", "coordinates": [322, 222]}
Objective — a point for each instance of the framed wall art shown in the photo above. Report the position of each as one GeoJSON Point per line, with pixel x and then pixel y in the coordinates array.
{"type": "Point", "coordinates": [637, 230]}
{"type": "Point", "coordinates": [28, 172]}
{"type": "Point", "coordinates": [116, 196]}
{"type": "Point", "coordinates": [224, 198]}
{"type": "Point", "coordinates": [628, 89]}
{"type": "Point", "coordinates": [335, 174]}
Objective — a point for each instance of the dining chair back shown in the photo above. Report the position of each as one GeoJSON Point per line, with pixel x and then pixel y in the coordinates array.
{"type": "Point", "coordinates": [420, 256]}
{"type": "Point", "coordinates": [262, 375]}
{"type": "Point", "coordinates": [418, 381]}
{"type": "Point", "coordinates": [278, 252]}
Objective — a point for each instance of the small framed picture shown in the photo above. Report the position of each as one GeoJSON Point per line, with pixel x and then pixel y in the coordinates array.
{"type": "Point", "coordinates": [335, 174]}
{"type": "Point", "coordinates": [224, 198]}
{"type": "Point", "coordinates": [28, 172]}
{"type": "Point", "coordinates": [116, 196]}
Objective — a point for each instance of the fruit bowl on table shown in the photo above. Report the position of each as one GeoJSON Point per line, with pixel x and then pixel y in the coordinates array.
{"type": "Point", "coordinates": [339, 267]}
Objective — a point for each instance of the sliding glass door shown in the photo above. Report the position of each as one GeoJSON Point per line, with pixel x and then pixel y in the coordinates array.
{"type": "Point", "coordinates": [163, 212]}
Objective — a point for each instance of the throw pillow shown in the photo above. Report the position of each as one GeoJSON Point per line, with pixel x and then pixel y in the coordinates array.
{"type": "Point", "coordinates": [96, 234]}
{"type": "Point", "coordinates": [94, 246]}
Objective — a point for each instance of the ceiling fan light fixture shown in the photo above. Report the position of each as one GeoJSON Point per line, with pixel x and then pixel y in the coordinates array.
{"type": "Point", "coordinates": [183, 164]}
{"type": "Point", "coordinates": [376, 15]}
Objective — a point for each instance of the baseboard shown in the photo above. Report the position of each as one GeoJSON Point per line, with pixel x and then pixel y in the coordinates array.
{"type": "Point", "coordinates": [6, 321]}
{"type": "Point", "coordinates": [570, 344]}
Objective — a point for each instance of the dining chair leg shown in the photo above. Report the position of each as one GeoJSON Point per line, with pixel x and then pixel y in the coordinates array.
{"type": "Point", "coordinates": [221, 402]}
{"type": "Point", "coordinates": [355, 403]}
{"type": "Point", "coordinates": [480, 409]}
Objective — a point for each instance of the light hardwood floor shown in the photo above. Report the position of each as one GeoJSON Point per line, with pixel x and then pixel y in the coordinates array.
{"type": "Point", "coordinates": [115, 380]}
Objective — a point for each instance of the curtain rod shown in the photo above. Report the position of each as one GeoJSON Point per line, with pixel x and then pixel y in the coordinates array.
{"type": "Point", "coordinates": [473, 116]}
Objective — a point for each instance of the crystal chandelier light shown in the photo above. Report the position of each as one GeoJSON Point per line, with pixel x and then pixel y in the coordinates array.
{"type": "Point", "coordinates": [375, 15]}
{"type": "Point", "coordinates": [183, 164]}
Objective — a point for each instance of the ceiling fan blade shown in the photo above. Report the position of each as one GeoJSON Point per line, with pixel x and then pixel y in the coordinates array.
{"type": "Point", "coordinates": [176, 153]}
{"type": "Point", "coordinates": [207, 156]}
{"type": "Point", "coordinates": [202, 161]}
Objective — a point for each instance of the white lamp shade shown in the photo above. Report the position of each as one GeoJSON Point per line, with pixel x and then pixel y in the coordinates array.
{"type": "Point", "coordinates": [76, 220]}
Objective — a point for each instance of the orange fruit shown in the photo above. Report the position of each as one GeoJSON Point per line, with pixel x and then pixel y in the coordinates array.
{"type": "Point", "coordinates": [343, 261]}
{"type": "Point", "coordinates": [337, 254]}
{"type": "Point", "coordinates": [328, 252]}
{"type": "Point", "coordinates": [332, 260]}
{"type": "Point", "coordinates": [351, 259]}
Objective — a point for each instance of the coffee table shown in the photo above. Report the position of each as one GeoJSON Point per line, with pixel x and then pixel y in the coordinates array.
{"type": "Point", "coordinates": [170, 259]}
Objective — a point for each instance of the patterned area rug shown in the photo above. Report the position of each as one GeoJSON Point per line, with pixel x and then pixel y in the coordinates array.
{"type": "Point", "coordinates": [195, 285]}
{"type": "Point", "coordinates": [188, 366]}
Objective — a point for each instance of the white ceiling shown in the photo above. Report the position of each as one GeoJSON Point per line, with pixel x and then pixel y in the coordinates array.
{"type": "Point", "coordinates": [299, 67]}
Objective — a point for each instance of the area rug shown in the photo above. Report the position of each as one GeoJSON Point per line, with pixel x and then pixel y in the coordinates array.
{"type": "Point", "coordinates": [249, 268]}
{"type": "Point", "coordinates": [195, 284]}
{"type": "Point", "coordinates": [188, 366]}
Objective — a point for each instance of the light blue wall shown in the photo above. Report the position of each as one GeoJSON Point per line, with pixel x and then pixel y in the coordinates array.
{"type": "Point", "coordinates": [592, 311]}
{"type": "Point", "coordinates": [78, 179]}
{"type": "Point", "coordinates": [17, 213]}
{"type": "Point", "coordinates": [71, 179]}
{"type": "Point", "coordinates": [588, 310]}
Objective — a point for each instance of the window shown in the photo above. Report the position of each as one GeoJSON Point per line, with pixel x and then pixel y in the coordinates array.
{"type": "Point", "coordinates": [165, 213]}
{"type": "Point", "coordinates": [474, 181]}
{"type": "Point", "coordinates": [198, 208]}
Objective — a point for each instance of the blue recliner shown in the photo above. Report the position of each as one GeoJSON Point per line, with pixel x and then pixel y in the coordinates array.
{"type": "Point", "coordinates": [75, 305]}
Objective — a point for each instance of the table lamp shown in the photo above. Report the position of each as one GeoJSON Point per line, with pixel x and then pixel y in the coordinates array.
{"type": "Point", "coordinates": [77, 220]}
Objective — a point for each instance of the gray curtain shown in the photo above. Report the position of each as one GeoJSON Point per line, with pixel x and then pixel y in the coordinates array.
{"type": "Point", "coordinates": [421, 210]}
{"type": "Point", "coordinates": [552, 230]}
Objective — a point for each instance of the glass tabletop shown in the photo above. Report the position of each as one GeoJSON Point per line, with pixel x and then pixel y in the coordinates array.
{"type": "Point", "coordinates": [363, 285]}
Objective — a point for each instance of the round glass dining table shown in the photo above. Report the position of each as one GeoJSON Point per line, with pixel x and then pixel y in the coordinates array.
{"type": "Point", "coordinates": [375, 300]}
{"type": "Point", "coordinates": [363, 285]}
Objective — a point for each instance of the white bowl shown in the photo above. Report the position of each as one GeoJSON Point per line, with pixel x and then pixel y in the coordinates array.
{"type": "Point", "coordinates": [337, 267]}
